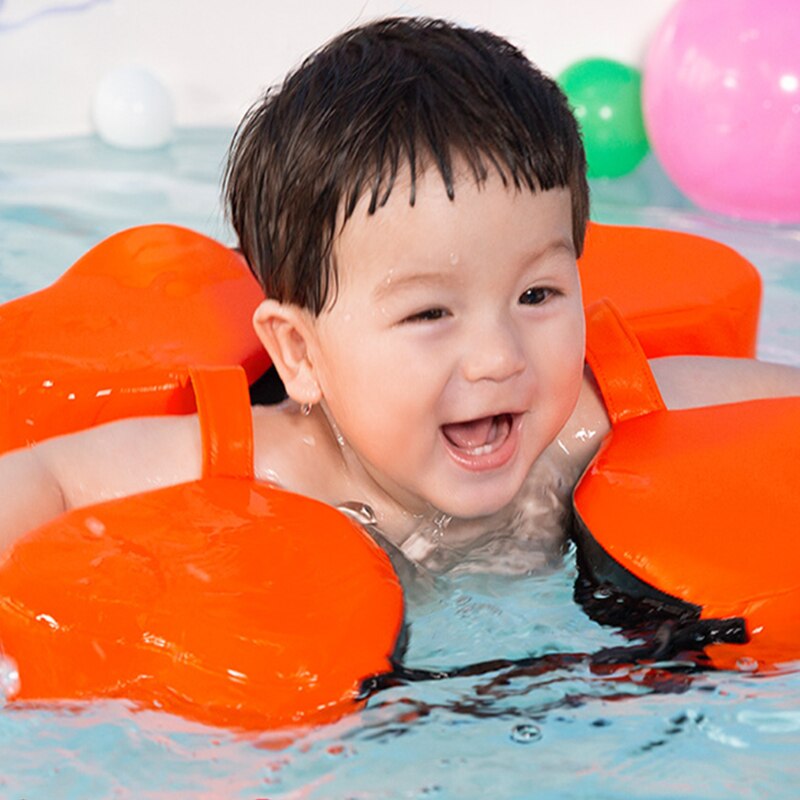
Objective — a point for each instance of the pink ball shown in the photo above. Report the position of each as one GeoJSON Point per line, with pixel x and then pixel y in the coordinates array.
{"type": "Point", "coordinates": [721, 101]}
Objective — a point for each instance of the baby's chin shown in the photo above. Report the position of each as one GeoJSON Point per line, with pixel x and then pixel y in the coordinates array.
{"type": "Point", "coordinates": [478, 507]}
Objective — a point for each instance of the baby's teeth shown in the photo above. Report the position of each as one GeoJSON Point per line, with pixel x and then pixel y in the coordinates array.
{"type": "Point", "coordinates": [483, 449]}
{"type": "Point", "coordinates": [480, 451]}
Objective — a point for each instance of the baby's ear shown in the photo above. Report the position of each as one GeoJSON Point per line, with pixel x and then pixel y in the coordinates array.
{"type": "Point", "coordinates": [284, 330]}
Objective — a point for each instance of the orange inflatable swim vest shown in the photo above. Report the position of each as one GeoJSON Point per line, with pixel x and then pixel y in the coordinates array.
{"type": "Point", "coordinates": [694, 511]}
{"type": "Point", "coordinates": [225, 599]}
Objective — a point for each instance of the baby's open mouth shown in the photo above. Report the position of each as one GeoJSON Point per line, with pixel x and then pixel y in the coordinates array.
{"type": "Point", "coordinates": [478, 437]}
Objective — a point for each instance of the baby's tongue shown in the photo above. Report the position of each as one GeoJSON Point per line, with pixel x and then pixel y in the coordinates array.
{"type": "Point", "coordinates": [475, 433]}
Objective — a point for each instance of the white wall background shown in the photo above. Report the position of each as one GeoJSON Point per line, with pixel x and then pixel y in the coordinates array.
{"type": "Point", "coordinates": [216, 57]}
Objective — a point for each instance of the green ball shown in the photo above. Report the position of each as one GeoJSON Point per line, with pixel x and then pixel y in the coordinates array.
{"type": "Point", "coordinates": [606, 99]}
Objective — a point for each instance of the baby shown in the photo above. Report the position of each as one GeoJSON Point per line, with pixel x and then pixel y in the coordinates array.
{"type": "Point", "coordinates": [413, 200]}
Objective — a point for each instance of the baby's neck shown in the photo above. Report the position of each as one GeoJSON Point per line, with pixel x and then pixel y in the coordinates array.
{"type": "Point", "coordinates": [306, 454]}
{"type": "Point", "coordinates": [528, 534]}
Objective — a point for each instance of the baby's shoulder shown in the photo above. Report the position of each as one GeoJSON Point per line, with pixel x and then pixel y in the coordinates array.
{"type": "Point", "coordinates": [297, 452]}
{"type": "Point", "coordinates": [580, 438]}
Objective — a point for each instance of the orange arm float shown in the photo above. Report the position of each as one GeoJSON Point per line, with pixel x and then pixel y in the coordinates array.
{"type": "Point", "coordinates": [698, 508]}
{"type": "Point", "coordinates": [680, 294]}
{"type": "Point", "coordinates": [224, 600]}
{"type": "Point", "coordinates": [115, 335]}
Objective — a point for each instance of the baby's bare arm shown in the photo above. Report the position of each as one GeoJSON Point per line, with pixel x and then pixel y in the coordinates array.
{"type": "Point", "coordinates": [31, 494]}
{"type": "Point", "coordinates": [689, 381]}
{"type": "Point", "coordinates": [114, 460]}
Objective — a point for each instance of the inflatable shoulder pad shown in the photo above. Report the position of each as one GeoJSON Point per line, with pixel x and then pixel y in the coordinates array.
{"type": "Point", "coordinates": [696, 508]}
{"type": "Point", "coordinates": [681, 294]}
{"type": "Point", "coordinates": [115, 335]}
{"type": "Point", "coordinates": [224, 600]}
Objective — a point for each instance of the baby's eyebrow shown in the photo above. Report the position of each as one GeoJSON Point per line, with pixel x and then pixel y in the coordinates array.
{"type": "Point", "coordinates": [562, 243]}
{"type": "Point", "coordinates": [411, 280]}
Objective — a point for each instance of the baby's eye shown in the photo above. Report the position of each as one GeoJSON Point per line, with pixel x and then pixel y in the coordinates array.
{"type": "Point", "coordinates": [428, 315]}
{"type": "Point", "coordinates": [536, 295]}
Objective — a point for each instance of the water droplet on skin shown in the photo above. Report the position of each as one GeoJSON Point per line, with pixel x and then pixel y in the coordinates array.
{"type": "Point", "coordinates": [440, 523]}
{"type": "Point", "coordinates": [337, 433]}
{"type": "Point", "coordinates": [585, 435]}
{"type": "Point", "coordinates": [526, 733]}
{"type": "Point", "coordinates": [309, 440]}
{"type": "Point", "coordinates": [361, 512]}
{"type": "Point", "coordinates": [454, 258]}
{"type": "Point", "coordinates": [270, 476]}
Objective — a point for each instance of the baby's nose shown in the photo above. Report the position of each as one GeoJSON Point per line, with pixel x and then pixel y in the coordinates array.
{"type": "Point", "coordinates": [495, 353]}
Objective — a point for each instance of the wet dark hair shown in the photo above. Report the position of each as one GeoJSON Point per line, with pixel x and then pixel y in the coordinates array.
{"type": "Point", "coordinates": [396, 93]}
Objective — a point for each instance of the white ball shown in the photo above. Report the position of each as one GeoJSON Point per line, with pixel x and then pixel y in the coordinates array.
{"type": "Point", "coordinates": [132, 109]}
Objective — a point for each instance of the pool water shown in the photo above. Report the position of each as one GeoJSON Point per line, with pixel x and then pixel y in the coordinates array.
{"type": "Point", "coordinates": [550, 728]}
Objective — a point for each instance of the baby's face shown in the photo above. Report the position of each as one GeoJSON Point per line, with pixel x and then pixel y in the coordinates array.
{"type": "Point", "coordinates": [453, 354]}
